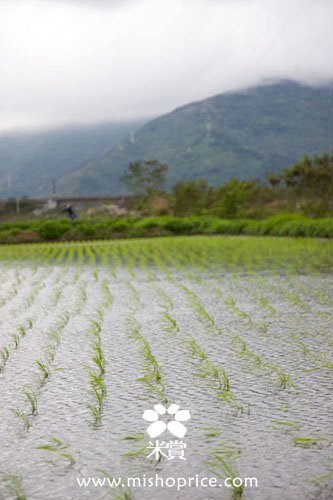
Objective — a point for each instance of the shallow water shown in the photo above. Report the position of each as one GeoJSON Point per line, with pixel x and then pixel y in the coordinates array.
{"type": "Point", "coordinates": [270, 333]}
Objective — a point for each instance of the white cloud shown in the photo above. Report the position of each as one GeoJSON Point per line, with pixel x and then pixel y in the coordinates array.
{"type": "Point", "coordinates": [65, 61]}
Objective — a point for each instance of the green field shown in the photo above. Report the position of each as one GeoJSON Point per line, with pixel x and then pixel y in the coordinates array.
{"type": "Point", "coordinates": [234, 329]}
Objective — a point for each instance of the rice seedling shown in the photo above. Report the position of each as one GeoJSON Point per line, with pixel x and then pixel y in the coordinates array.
{"type": "Point", "coordinates": [221, 465]}
{"type": "Point", "coordinates": [134, 292]}
{"type": "Point", "coordinates": [231, 303]}
{"type": "Point", "coordinates": [207, 369]}
{"type": "Point", "coordinates": [23, 417]}
{"type": "Point", "coordinates": [171, 324]}
{"type": "Point", "coordinates": [44, 372]}
{"type": "Point", "coordinates": [245, 351]}
{"type": "Point", "coordinates": [13, 484]}
{"type": "Point", "coordinates": [108, 295]}
{"type": "Point", "coordinates": [118, 491]}
{"type": "Point", "coordinates": [23, 331]}
{"type": "Point", "coordinates": [285, 425]}
{"type": "Point", "coordinates": [284, 379]}
{"type": "Point", "coordinates": [59, 448]}
{"type": "Point", "coordinates": [16, 339]}
{"type": "Point", "coordinates": [32, 398]}
{"type": "Point", "coordinates": [152, 373]}
{"type": "Point", "coordinates": [307, 442]}
{"type": "Point", "coordinates": [263, 301]}
{"type": "Point", "coordinates": [198, 306]}
{"type": "Point", "coordinates": [96, 374]}
{"type": "Point", "coordinates": [4, 355]}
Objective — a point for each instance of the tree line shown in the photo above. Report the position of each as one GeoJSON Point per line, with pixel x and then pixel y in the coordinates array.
{"type": "Point", "coordinates": [306, 188]}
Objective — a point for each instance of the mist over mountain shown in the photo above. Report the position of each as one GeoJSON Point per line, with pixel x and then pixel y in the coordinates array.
{"type": "Point", "coordinates": [33, 164]}
{"type": "Point", "coordinates": [240, 135]}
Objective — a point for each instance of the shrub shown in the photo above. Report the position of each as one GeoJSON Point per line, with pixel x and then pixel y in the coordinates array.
{"type": "Point", "coordinates": [51, 230]}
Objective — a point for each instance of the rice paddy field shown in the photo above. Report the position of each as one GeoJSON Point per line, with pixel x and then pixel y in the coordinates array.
{"type": "Point", "coordinates": [236, 330]}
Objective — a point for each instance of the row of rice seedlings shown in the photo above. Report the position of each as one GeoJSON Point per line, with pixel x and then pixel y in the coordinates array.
{"type": "Point", "coordinates": [16, 337]}
{"type": "Point", "coordinates": [12, 292]}
{"type": "Point", "coordinates": [59, 449]}
{"type": "Point", "coordinates": [245, 351]}
{"type": "Point", "coordinates": [159, 262]}
{"type": "Point", "coordinates": [91, 256]}
{"type": "Point", "coordinates": [13, 484]}
{"type": "Point", "coordinates": [96, 373]}
{"type": "Point", "coordinates": [231, 303]}
{"type": "Point", "coordinates": [61, 255]}
{"type": "Point", "coordinates": [43, 373]}
{"type": "Point", "coordinates": [108, 297]}
{"type": "Point", "coordinates": [207, 369]}
{"type": "Point", "coordinates": [102, 256]}
{"type": "Point", "coordinates": [197, 305]}
{"type": "Point", "coordinates": [170, 324]}
{"type": "Point", "coordinates": [134, 292]}
{"type": "Point", "coordinates": [283, 378]}
{"type": "Point", "coordinates": [152, 372]}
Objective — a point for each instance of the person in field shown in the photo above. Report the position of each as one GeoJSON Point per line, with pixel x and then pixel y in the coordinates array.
{"type": "Point", "coordinates": [70, 212]}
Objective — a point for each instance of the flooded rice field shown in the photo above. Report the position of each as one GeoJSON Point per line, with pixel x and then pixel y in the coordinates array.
{"type": "Point", "coordinates": [233, 336]}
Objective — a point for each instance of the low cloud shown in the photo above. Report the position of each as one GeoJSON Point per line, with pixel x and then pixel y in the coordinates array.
{"type": "Point", "coordinates": [81, 61]}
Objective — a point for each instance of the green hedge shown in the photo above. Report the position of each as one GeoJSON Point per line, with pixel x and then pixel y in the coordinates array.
{"type": "Point", "coordinates": [281, 225]}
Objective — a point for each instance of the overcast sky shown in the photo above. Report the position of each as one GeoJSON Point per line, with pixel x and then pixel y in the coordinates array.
{"type": "Point", "coordinates": [82, 61]}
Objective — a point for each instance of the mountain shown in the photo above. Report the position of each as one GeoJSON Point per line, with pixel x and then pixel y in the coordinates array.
{"type": "Point", "coordinates": [29, 162]}
{"type": "Point", "coordinates": [241, 134]}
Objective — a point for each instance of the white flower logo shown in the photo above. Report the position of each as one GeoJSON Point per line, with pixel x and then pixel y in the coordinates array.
{"type": "Point", "coordinates": [174, 426]}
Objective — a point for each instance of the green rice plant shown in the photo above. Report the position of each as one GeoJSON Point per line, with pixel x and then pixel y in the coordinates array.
{"type": "Point", "coordinates": [196, 349]}
{"type": "Point", "coordinates": [108, 295]}
{"type": "Point", "coordinates": [96, 412]}
{"type": "Point", "coordinates": [171, 323]}
{"type": "Point", "coordinates": [198, 306]}
{"type": "Point", "coordinates": [134, 292]}
{"type": "Point", "coordinates": [152, 373]}
{"type": "Point", "coordinates": [135, 436]}
{"type": "Point", "coordinates": [231, 303]}
{"type": "Point", "coordinates": [44, 371]}
{"type": "Point", "coordinates": [207, 369]}
{"type": "Point", "coordinates": [284, 379]}
{"type": "Point", "coordinates": [23, 417]}
{"type": "Point", "coordinates": [246, 352]}
{"type": "Point", "coordinates": [13, 484]}
{"type": "Point", "coordinates": [96, 328]}
{"type": "Point", "coordinates": [32, 398]}
{"type": "Point", "coordinates": [118, 491]}
{"type": "Point", "coordinates": [4, 355]}
{"type": "Point", "coordinates": [305, 351]}
{"type": "Point", "coordinates": [306, 442]}
{"type": "Point", "coordinates": [83, 293]}
{"type": "Point", "coordinates": [22, 331]}
{"type": "Point", "coordinates": [16, 339]}
{"type": "Point", "coordinates": [59, 448]}
{"type": "Point", "coordinates": [221, 465]}
{"type": "Point", "coordinates": [288, 426]}
{"type": "Point", "coordinates": [263, 301]}
{"type": "Point", "coordinates": [98, 358]}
